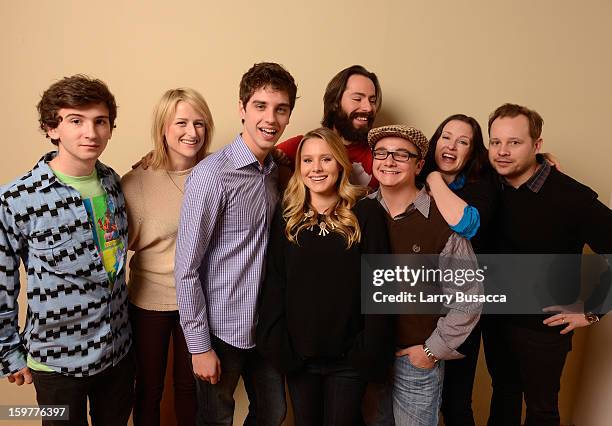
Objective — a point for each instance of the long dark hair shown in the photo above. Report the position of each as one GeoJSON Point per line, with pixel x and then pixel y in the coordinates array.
{"type": "Point", "coordinates": [335, 89]}
{"type": "Point", "coordinates": [477, 165]}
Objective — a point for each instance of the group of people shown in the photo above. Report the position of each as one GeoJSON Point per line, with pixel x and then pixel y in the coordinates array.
{"type": "Point", "coordinates": [249, 259]}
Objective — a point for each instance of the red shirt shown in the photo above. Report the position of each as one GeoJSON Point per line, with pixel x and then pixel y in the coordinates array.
{"type": "Point", "coordinates": [359, 154]}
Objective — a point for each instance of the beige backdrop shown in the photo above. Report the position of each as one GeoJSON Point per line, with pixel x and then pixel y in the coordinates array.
{"type": "Point", "coordinates": [433, 59]}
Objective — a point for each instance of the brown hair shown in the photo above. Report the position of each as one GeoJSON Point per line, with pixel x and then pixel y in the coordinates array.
{"type": "Point", "coordinates": [335, 89]}
{"type": "Point", "coordinates": [73, 92]}
{"type": "Point", "coordinates": [477, 165]}
{"type": "Point", "coordinates": [514, 110]}
{"type": "Point", "coordinates": [266, 74]}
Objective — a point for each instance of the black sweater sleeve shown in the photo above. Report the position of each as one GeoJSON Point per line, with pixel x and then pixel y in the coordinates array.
{"type": "Point", "coordinates": [272, 336]}
{"type": "Point", "coordinates": [596, 229]}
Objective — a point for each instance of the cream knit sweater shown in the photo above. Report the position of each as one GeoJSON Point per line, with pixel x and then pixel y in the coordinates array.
{"type": "Point", "coordinates": [153, 201]}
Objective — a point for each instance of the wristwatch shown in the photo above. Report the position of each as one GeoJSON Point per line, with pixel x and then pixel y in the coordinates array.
{"type": "Point", "coordinates": [591, 317]}
{"type": "Point", "coordinates": [430, 354]}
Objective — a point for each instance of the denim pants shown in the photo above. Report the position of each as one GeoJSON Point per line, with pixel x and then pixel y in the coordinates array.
{"type": "Point", "coordinates": [110, 394]}
{"type": "Point", "coordinates": [264, 385]}
{"type": "Point", "coordinates": [326, 393]}
{"type": "Point", "coordinates": [412, 397]}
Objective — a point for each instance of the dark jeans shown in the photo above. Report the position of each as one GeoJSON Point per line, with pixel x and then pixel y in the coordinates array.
{"type": "Point", "coordinates": [152, 331]}
{"type": "Point", "coordinates": [264, 385]}
{"type": "Point", "coordinates": [110, 394]}
{"type": "Point", "coordinates": [326, 393]}
{"type": "Point", "coordinates": [459, 383]}
{"type": "Point", "coordinates": [525, 361]}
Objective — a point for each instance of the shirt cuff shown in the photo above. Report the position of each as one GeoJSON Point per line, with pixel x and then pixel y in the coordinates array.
{"type": "Point", "coordinates": [13, 362]}
{"type": "Point", "coordinates": [469, 223]}
{"type": "Point", "coordinates": [197, 342]}
{"type": "Point", "coordinates": [440, 349]}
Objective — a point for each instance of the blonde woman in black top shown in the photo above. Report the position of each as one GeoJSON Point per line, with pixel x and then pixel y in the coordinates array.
{"type": "Point", "coordinates": [310, 324]}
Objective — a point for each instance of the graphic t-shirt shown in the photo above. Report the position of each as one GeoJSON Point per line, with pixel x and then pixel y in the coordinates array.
{"type": "Point", "coordinates": [101, 213]}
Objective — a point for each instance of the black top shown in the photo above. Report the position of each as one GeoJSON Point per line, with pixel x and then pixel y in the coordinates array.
{"type": "Point", "coordinates": [482, 194]}
{"type": "Point", "coordinates": [561, 217]}
{"type": "Point", "coordinates": [310, 302]}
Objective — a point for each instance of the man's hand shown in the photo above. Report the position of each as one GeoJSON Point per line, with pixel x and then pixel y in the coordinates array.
{"type": "Point", "coordinates": [359, 176]}
{"type": "Point", "coordinates": [207, 367]}
{"type": "Point", "coordinates": [569, 316]}
{"type": "Point", "coordinates": [22, 376]}
{"type": "Point", "coordinates": [145, 161]}
{"type": "Point", "coordinates": [280, 158]}
{"type": "Point", "coordinates": [552, 160]}
{"type": "Point", "coordinates": [417, 356]}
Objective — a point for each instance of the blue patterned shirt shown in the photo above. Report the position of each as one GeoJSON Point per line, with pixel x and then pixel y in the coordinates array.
{"type": "Point", "coordinates": [75, 325]}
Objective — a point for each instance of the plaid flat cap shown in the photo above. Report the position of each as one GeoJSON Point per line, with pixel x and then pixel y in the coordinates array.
{"type": "Point", "coordinates": [403, 131]}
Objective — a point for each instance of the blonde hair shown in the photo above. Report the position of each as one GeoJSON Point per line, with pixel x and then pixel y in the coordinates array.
{"type": "Point", "coordinates": [296, 200]}
{"type": "Point", "coordinates": [164, 112]}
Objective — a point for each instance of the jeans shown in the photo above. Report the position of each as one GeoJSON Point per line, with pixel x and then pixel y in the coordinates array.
{"type": "Point", "coordinates": [110, 394]}
{"type": "Point", "coordinates": [417, 393]}
{"type": "Point", "coordinates": [524, 361]}
{"type": "Point", "coordinates": [412, 398]}
{"type": "Point", "coordinates": [459, 383]}
{"type": "Point", "coordinates": [327, 393]}
{"type": "Point", "coordinates": [264, 385]}
{"type": "Point", "coordinates": [151, 337]}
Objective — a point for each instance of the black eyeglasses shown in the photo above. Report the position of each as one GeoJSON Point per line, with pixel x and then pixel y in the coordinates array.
{"type": "Point", "coordinates": [401, 156]}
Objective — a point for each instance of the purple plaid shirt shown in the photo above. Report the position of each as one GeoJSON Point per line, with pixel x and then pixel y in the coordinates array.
{"type": "Point", "coordinates": [221, 245]}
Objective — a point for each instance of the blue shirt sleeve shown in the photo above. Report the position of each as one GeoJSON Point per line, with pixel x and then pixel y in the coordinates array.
{"type": "Point", "coordinates": [469, 223]}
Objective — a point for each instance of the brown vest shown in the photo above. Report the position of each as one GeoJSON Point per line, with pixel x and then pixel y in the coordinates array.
{"type": "Point", "coordinates": [416, 234]}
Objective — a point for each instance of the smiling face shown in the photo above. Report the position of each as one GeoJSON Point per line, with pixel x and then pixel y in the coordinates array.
{"type": "Point", "coordinates": [265, 115]}
{"type": "Point", "coordinates": [83, 134]}
{"type": "Point", "coordinates": [392, 173]}
{"type": "Point", "coordinates": [512, 151]}
{"type": "Point", "coordinates": [454, 148]}
{"type": "Point", "coordinates": [319, 168]}
{"type": "Point", "coordinates": [357, 109]}
{"type": "Point", "coordinates": [184, 134]}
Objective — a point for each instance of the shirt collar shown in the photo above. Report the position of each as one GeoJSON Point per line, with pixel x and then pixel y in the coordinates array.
{"type": "Point", "coordinates": [43, 173]}
{"type": "Point", "coordinates": [421, 203]}
{"type": "Point", "coordinates": [243, 157]}
{"type": "Point", "coordinates": [536, 181]}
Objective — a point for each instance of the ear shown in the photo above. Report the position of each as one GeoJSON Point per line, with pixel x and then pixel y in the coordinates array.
{"type": "Point", "coordinates": [241, 110]}
{"type": "Point", "coordinates": [419, 166]}
{"type": "Point", "coordinates": [538, 145]}
{"type": "Point", "coordinates": [53, 133]}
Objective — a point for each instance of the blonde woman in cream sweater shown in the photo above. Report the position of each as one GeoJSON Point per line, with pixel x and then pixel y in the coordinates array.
{"type": "Point", "coordinates": [182, 130]}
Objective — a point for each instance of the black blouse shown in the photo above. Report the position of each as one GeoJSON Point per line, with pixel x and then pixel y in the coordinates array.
{"type": "Point", "coordinates": [310, 302]}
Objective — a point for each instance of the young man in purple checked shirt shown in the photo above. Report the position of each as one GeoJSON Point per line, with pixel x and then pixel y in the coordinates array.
{"type": "Point", "coordinates": [229, 202]}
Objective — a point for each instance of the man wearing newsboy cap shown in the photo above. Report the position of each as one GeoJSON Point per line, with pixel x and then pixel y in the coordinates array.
{"type": "Point", "coordinates": [415, 225]}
